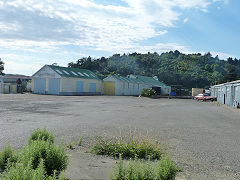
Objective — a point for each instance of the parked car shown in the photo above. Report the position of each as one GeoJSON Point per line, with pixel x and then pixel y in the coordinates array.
{"type": "Point", "coordinates": [205, 97]}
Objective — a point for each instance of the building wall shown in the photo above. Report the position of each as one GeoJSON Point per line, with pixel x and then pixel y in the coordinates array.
{"type": "Point", "coordinates": [68, 86]}
{"type": "Point", "coordinates": [1, 88]}
{"type": "Point", "coordinates": [230, 92]}
{"type": "Point", "coordinates": [165, 90]}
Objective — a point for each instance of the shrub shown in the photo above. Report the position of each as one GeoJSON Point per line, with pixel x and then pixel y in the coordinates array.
{"type": "Point", "coordinates": [39, 134]}
{"type": "Point", "coordinates": [148, 92]}
{"type": "Point", "coordinates": [166, 169]}
{"type": "Point", "coordinates": [129, 149]}
{"type": "Point", "coordinates": [21, 172]}
{"type": "Point", "coordinates": [137, 169]}
{"type": "Point", "coordinates": [54, 157]}
{"type": "Point", "coordinates": [7, 157]}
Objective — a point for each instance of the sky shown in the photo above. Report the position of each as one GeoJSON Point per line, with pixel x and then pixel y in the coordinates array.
{"type": "Point", "coordinates": [34, 33]}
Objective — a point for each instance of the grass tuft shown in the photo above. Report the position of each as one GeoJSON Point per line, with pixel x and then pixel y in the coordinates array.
{"type": "Point", "coordinates": [21, 172]}
{"type": "Point", "coordinates": [43, 135]}
{"type": "Point", "coordinates": [54, 157]}
{"type": "Point", "coordinates": [130, 149]}
{"type": "Point", "coordinates": [70, 146]}
{"type": "Point", "coordinates": [80, 141]}
{"type": "Point", "coordinates": [7, 157]}
{"type": "Point", "coordinates": [163, 169]}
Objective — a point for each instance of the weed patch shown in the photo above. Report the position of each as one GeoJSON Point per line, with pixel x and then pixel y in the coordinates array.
{"type": "Point", "coordinates": [163, 169]}
{"type": "Point", "coordinates": [54, 157]}
{"type": "Point", "coordinates": [43, 135]}
{"type": "Point", "coordinates": [7, 156]}
{"type": "Point", "coordinates": [21, 172]}
{"type": "Point", "coordinates": [80, 141]}
{"type": "Point", "coordinates": [70, 146]}
{"type": "Point", "coordinates": [130, 149]}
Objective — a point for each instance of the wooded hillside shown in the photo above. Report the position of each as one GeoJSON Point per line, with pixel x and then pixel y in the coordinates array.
{"type": "Point", "coordinates": [172, 68]}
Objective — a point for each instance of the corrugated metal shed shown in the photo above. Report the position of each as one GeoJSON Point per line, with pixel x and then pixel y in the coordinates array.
{"type": "Point", "coordinates": [58, 80]}
{"type": "Point", "coordinates": [132, 85]}
{"type": "Point", "coordinates": [73, 72]}
{"type": "Point", "coordinates": [227, 93]}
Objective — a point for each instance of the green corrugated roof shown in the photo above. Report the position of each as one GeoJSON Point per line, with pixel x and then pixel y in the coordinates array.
{"type": "Point", "coordinates": [141, 79]}
{"type": "Point", "coordinates": [149, 80]}
{"type": "Point", "coordinates": [73, 72]}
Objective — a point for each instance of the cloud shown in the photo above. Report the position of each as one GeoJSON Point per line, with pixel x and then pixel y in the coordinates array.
{"type": "Point", "coordinates": [185, 20]}
{"type": "Point", "coordinates": [87, 23]}
{"type": "Point", "coordinates": [42, 27]}
{"type": "Point", "coordinates": [221, 55]}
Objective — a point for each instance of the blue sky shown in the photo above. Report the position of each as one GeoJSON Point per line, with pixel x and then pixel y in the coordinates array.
{"type": "Point", "coordinates": [35, 33]}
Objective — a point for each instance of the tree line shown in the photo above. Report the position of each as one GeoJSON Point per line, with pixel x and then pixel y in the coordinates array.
{"type": "Point", "coordinates": [1, 67]}
{"type": "Point", "coordinates": [172, 68]}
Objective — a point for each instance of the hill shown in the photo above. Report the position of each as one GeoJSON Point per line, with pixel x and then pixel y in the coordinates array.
{"type": "Point", "coordinates": [172, 68]}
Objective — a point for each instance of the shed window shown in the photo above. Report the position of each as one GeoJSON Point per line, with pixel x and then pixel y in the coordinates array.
{"type": "Point", "coordinates": [86, 74]}
{"type": "Point", "coordinates": [59, 71]}
{"type": "Point", "coordinates": [80, 74]}
{"type": "Point", "coordinates": [128, 85]}
{"type": "Point", "coordinates": [74, 73]}
{"type": "Point", "coordinates": [66, 72]}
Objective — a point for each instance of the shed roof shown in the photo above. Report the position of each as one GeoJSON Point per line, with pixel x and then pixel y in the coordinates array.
{"type": "Point", "coordinates": [227, 83]}
{"type": "Point", "coordinates": [151, 80]}
{"type": "Point", "coordinates": [73, 72]}
{"type": "Point", "coordinates": [141, 79]}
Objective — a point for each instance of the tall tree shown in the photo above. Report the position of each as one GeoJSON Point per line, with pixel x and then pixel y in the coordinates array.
{"type": "Point", "coordinates": [1, 67]}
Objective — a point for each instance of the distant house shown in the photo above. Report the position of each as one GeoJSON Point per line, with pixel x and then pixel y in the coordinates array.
{"type": "Point", "coordinates": [133, 85]}
{"type": "Point", "coordinates": [8, 82]}
{"type": "Point", "coordinates": [227, 93]}
{"type": "Point", "coordinates": [58, 80]}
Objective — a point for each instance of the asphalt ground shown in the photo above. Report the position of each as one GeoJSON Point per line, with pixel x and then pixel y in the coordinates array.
{"type": "Point", "coordinates": [202, 138]}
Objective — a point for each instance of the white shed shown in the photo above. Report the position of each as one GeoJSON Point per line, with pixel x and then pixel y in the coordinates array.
{"type": "Point", "coordinates": [227, 93]}
{"type": "Point", "coordinates": [66, 81]}
{"type": "Point", "coordinates": [132, 85]}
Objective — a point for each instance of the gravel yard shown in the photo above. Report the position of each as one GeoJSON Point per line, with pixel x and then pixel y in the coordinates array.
{"type": "Point", "coordinates": [202, 138]}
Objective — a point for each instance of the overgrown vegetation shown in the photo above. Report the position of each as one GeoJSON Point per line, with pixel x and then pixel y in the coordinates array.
{"type": "Point", "coordinates": [136, 169]}
{"type": "Point", "coordinates": [130, 149]}
{"type": "Point", "coordinates": [172, 68]}
{"type": "Point", "coordinates": [21, 172]}
{"type": "Point", "coordinates": [148, 92]}
{"type": "Point", "coordinates": [55, 158]}
{"type": "Point", "coordinates": [40, 159]}
{"type": "Point", "coordinates": [7, 156]}
{"type": "Point", "coordinates": [43, 135]}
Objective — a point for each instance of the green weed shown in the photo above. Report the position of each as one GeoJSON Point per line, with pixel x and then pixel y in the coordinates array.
{"type": "Point", "coordinates": [163, 169]}
{"type": "Point", "coordinates": [130, 149]}
{"type": "Point", "coordinates": [7, 157]}
{"type": "Point", "coordinates": [80, 141]}
{"type": "Point", "coordinates": [39, 134]}
{"type": "Point", "coordinates": [22, 172]}
{"type": "Point", "coordinates": [70, 146]}
{"type": "Point", "coordinates": [54, 157]}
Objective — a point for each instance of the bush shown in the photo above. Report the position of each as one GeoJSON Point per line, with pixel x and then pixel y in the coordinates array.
{"type": "Point", "coordinates": [148, 92]}
{"type": "Point", "coordinates": [137, 169]}
{"type": "Point", "coordinates": [129, 149]}
{"type": "Point", "coordinates": [39, 134]}
{"type": "Point", "coordinates": [54, 157]}
{"type": "Point", "coordinates": [21, 172]}
{"type": "Point", "coordinates": [7, 157]}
